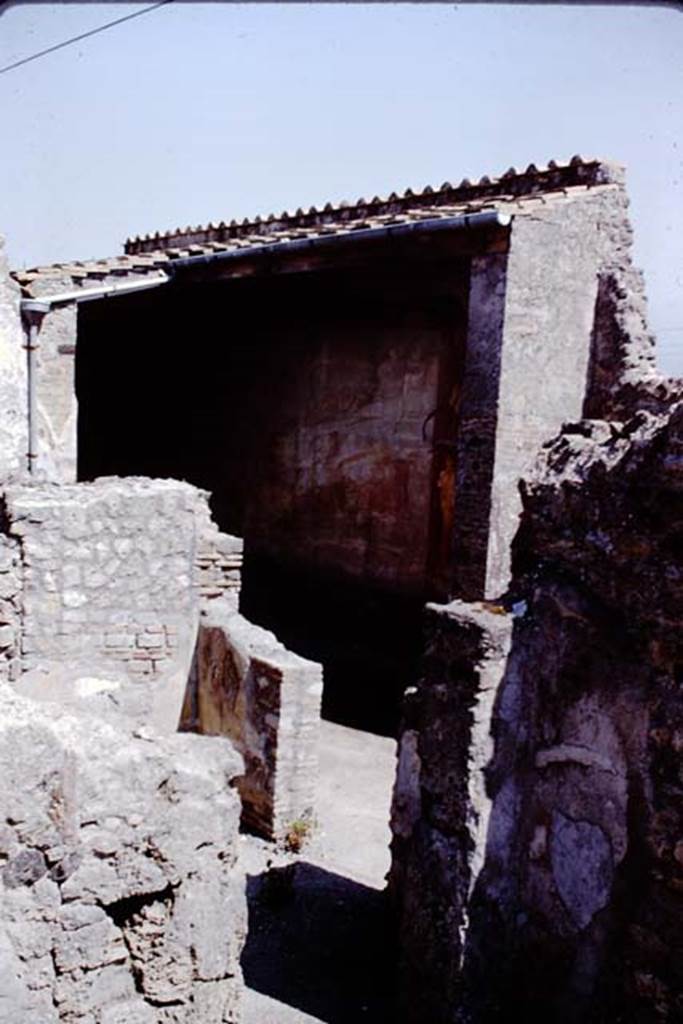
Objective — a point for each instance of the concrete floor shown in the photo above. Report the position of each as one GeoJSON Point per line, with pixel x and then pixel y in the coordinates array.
{"type": "Point", "coordinates": [318, 949]}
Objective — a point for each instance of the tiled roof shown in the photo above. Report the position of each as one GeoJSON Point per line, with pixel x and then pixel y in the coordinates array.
{"type": "Point", "coordinates": [513, 192]}
{"type": "Point", "coordinates": [511, 185]}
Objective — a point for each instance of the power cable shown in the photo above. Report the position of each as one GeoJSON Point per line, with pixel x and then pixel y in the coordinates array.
{"type": "Point", "coordinates": [83, 35]}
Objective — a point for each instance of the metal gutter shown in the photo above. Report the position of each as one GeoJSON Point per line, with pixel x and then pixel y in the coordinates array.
{"type": "Point", "coordinates": [36, 307]}
{"type": "Point", "coordinates": [483, 218]}
{"type": "Point", "coordinates": [43, 303]}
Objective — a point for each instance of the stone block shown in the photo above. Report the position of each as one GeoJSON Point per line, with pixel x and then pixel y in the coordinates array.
{"type": "Point", "coordinates": [7, 636]}
{"type": "Point", "coordinates": [121, 640]}
{"type": "Point", "coordinates": [154, 876]}
{"type": "Point", "coordinates": [150, 640]}
{"type": "Point", "coordinates": [10, 585]}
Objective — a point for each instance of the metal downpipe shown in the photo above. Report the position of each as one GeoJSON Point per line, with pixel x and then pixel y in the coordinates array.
{"type": "Point", "coordinates": [32, 363]}
{"type": "Point", "coordinates": [34, 309]}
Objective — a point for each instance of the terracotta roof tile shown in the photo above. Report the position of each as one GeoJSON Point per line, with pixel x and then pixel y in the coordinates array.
{"type": "Point", "coordinates": [512, 192]}
{"type": "Point", "coordinates": [515, 184]}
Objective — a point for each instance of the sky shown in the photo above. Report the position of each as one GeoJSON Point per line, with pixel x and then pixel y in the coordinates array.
{"type": "Point", "coordinates": [200, 112]}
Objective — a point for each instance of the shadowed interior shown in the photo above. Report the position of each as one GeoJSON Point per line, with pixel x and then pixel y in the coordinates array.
{"type": "Point", "coordinates": [320, 410]}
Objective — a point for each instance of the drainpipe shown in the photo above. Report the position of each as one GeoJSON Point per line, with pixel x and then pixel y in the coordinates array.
{"type": "Point", "coordinates": [34, 309]}
{"type": "Point", "coordinates": [31, 350]}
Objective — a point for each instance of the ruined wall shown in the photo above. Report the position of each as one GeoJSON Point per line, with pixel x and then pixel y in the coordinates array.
{"type": "Point", "coordinates": [247, 686]}
{"type": "Point", "coordinates": [623, 373]}
{"type": "Point", "coordinates": [13, 384]}
{"type": "Point", "coordinates": [101, 588]}
{"type": "Point", "coordinates": [109, 576]}
{"type": "Point", "coordinates": [549, 305]}
{"type": "Point", "coordinates": [440, 810]}
{"type": "Point", "coordinates": [477, 424]}
{"type": "Point", "coordinates": [537, 857]}
{"type": "Point", "coordinates": [120, 900]}
{"type": "Point", "coordinates": [11, 604]}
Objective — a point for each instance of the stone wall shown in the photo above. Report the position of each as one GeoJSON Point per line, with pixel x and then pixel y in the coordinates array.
{"type": "Point", "coordinates": [111, 575]}
{"type": "Point", "coordinates": [11, 606]}
{"type": "Point", "coordinates": [537, 336]}
{"type": "Point", "coordinates": [247, 686]}
{"type": "Point", "coordinates": [120, 900]}
{"type": "Point", "coordinates": [13, 382]}
{"type": "Point", "coordinates": [440, 810]}
{"type": "Point", "coordinates": [537, 813]}
{"type": "Point", "coordinates": [623, 374]}
{"type": "Point", "coordinates": [56, 402]}
{"type": "Point", "coordinates": [101, 588]}
{"type": "Point", "coordinates": [218, 566]}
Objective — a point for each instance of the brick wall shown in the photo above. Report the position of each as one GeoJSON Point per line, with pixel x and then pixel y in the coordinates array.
{"type": "Point", "coordinates": [247, 686]}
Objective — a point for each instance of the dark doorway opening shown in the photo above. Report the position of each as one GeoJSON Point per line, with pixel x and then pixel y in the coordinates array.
{"type": "Point", "coordinates": [319, 410]}
{"type": "Point", "coordinates": [368, 640]}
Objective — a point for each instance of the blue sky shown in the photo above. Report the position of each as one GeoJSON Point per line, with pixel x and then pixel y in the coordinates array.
{"type": "Point", "coordinates": [199, 112]}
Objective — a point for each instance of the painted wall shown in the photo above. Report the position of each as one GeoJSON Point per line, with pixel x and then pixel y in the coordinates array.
{"type": "Point", "coordinates": [345, 474]}
{"type": "Point", "coordinates": [307, 405]}
{"type": "Point", "coordinates": [247, 686]}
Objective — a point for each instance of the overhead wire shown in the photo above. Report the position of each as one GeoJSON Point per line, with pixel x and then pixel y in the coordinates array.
{"type": "Point", "coordinates": [83, 35]}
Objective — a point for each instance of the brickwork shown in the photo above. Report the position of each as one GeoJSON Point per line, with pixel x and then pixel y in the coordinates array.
{"type": "Point", "coordinates": [218, 566]}
{"type": "Point", "coordinates": [109, 575]}
{"type": "Point", "coordinates": [247, 686]}
{"type": "Point", "coordinates": [108, 579]}
{"type": "Point", "coordinates": [534, 346]}
{"type": "Point", "coordinates": [144, 649]}
{"type": "Point", "coordinates": [102, 562]}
